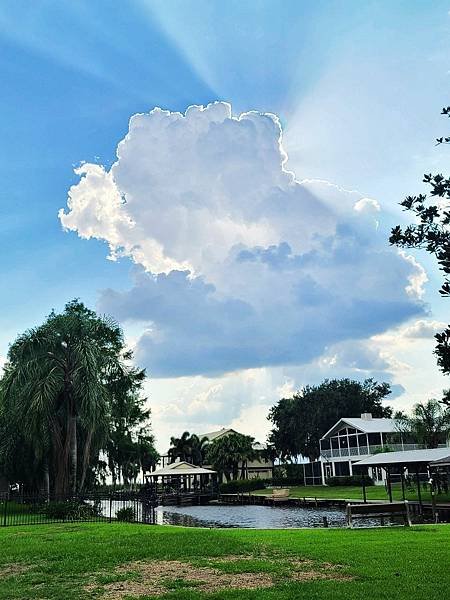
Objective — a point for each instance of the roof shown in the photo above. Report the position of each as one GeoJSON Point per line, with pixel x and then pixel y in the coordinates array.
{"type": "Point", "coordinates": [427, 456]}
{"type": "Point", "coordinates": [443, 461]}
{"type": "Point", "coordinates": [213, 435]}
{"type": "Point", "coordinates": [364, 425]}
{"type": "Point", "coordinates": [178, 469]}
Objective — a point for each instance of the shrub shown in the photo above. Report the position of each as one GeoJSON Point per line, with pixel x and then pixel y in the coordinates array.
{"type": "Point", "coordinates": [349, 480]}
{"type": "Point", "coordinates": [127, 513]}
{"type": "Point", "coordinates": [18, 508]}
{"type": "Point", "coordinates": [382, 450]}
{"type": "Point", "coordinates": [70, 510]}
{"type": "Point", "coordinates": [238, 486]}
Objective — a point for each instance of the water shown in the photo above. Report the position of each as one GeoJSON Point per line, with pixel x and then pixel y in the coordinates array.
{"type": "Point", "coordinates": [258, 517]}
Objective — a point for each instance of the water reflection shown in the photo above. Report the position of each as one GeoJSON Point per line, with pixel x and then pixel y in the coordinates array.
{"type": "Point", "coordinates": [259, 517]}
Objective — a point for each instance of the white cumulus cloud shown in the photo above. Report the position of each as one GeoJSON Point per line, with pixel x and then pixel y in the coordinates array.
{"type": "Point", "coordinates": [240, 265]}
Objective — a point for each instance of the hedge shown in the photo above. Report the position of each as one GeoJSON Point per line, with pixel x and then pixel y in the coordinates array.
{"type": "Point", "coordinates": [349, 480]}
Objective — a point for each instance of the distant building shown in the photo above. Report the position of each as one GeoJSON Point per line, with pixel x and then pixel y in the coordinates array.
{"type": "Point", "coordinates": [262, 468]}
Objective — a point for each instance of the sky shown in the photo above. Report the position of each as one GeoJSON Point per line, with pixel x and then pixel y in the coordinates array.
{"type": "Point", "coordinates": [222, 178]}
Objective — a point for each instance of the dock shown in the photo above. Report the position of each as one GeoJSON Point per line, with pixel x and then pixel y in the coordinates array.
{"type": "Point", "coordinates": [269, 500]}
{"type": "Point", "coordinates": [417, 509]}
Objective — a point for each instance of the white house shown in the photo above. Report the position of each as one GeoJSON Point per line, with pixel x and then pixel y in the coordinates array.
{"type": "Point", "coordinates": [352, 439]}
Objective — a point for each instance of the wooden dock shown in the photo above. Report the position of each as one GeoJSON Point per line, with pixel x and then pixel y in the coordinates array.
{"type": "Point", "coordinates": [183, 499]}
{"type": "Point", "coordinates": [442, 509]}
{"type": "Point", "coordinates": [269, 500]}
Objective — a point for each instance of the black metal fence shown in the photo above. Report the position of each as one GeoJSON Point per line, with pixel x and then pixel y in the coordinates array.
{"type": "Point", "coordinates": [134, 507]}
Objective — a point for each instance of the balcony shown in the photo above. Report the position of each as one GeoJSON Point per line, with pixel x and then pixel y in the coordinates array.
{"type": "Point", "coordinates": [365, 450]}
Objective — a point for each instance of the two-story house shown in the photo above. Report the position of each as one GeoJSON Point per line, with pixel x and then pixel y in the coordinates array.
{"type": "Point", "coordinates": [352, 439]}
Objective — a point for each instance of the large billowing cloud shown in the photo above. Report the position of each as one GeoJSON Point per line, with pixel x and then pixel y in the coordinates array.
{"type": "Point", "coordinates": [239, 265]}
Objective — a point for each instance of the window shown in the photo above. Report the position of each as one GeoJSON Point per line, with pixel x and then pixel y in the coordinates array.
{"type": "Point", "coordinates": [325, 444]}
{"type": "Point", "coordinates": [362, 439]}
{"type": "Point", "coordinates": [374, 439]}
{"type": "Point", "coordinates": [352, 441]}
{"type": "Point", "coordinates": [342, 469]}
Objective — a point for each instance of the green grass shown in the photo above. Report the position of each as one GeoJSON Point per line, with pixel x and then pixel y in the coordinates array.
{"type": "Point", "coordinates": [374, 492]}
{"type": "Point", "coordinates": [56, 562]}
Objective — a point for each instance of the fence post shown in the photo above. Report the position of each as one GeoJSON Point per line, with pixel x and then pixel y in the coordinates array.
{"type": "Point", "coordinates": [433, 503]}
{"type": "Point", "coordinates": [110, 508]}
{"type": "Point", "coordinates": [5, 510]}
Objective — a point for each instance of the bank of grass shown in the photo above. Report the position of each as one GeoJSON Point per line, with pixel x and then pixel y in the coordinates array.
{"type": "Point", "coordinates": [374, 492]}
{"type": "Point", "coordinates": [77, 561]}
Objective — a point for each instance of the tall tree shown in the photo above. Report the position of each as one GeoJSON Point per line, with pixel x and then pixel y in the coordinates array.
{"type": "Point", "coordinates": [299, 422]}
{"type": "Point", "coordinates": [130, 446]}
{"type": "Point", "coordinates": [58, 390]}
{"type": "Point", "coordinates": [429, 423]}
{"type": "Point", "coordinates": [431, 232]}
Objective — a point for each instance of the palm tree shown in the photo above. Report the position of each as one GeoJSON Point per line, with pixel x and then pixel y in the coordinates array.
{"type": "Point", "coordinates": [429, 423]}
{"type": "Point", "coordinates": [226, 453]}
{"type": "Point", "coordinates": [199, 447]}
{"type": "Point", "coordinates": [56, 385]}
{"type": "Point", "coordinates": [180, 447]}
{"type": "Point", "coordinates": [189, 448]}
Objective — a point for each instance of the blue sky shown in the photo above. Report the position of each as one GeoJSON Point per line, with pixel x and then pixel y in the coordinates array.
{"type": "Point", "coordinates": [357, 88]}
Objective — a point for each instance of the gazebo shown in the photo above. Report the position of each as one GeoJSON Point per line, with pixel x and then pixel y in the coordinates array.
{"type": "Point", "coordinates": [409, 462]}
{"type": "Point", "coordinates": [183, 477]}
{"type": "Point", "coordinates": [441, 470]}
{"type": "Point", "coordinates": [442, 462]}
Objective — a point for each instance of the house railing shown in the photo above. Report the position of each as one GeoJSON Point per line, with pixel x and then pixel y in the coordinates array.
{"type": "Point", "coordinates": [366, 450]}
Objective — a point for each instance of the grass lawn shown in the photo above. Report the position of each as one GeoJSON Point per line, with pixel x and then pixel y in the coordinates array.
{"type": "Point", "coordinates": [115, 561]}
{"type": "Point", "coordinates": [374, 492]}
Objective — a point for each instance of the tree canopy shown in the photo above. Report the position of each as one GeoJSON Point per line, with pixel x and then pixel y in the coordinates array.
{"type": "Point", "coordinates": [190, 448]}
{"type": "Point", "coordinates": [299, 422]}
{"type": "Point", "coordinates": [229, 452]}
{"type": "Point", "coordinates": [431, 232]}
{"type": "Point", "coordinates": [429, 423]}
{"type": "Point", "coordinates": [69, 392]}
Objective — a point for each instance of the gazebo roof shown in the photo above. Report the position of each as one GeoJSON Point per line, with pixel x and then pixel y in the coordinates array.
{"type": "Point", "coordinates": [178, 469]}
{"type": "Point", "coordinates": [442, 462]}
{"type": "Point", "coordinates": [407, 457]}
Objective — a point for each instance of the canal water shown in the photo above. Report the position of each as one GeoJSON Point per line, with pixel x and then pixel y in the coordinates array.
{"type": "Point", "coordinates": [252, 516]}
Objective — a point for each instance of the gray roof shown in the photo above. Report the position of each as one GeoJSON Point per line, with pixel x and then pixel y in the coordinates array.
{"type": "Point", "coordinates": [214, 435]}
{"type": "Point", "coordinates": [217, 434]}
{"type": "Point", "coordinates": [406, 457]}
{"type": "Point", "coordinates": [178, 469]}
{"type": "Point", "coordinates": [443, 461]}
{"type": "Point", "coordinates": [365, 425]}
